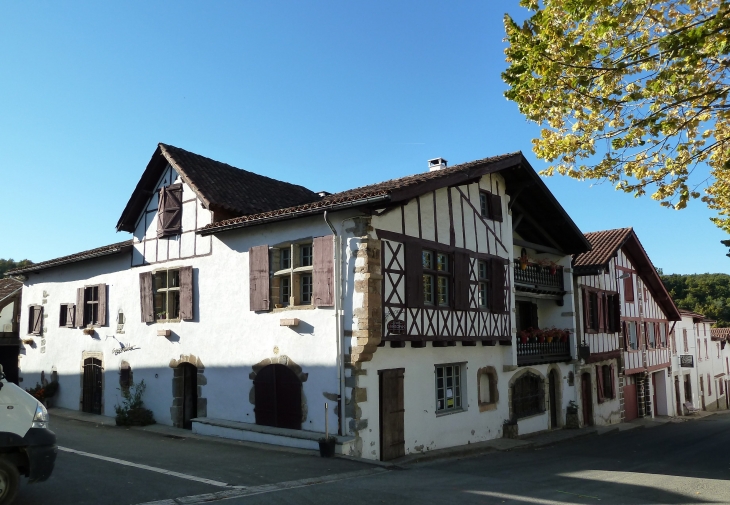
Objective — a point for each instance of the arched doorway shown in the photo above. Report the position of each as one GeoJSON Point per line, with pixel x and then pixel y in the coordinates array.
{"type": "Point", "coordinates": [587, 398]}
{"type": "Point", "coordinates": [278, 397]}
{"type": "Point", "coordinates": [91, 397]}
{"type": "Point", "coordinates": [189, 375]}
{"type": "Point", "coordinates": [553, 379]}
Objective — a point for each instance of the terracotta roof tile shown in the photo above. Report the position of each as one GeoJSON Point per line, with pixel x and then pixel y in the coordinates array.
{"type": "Point", "coordinates": [357, 194]}
{"type": "Point", "coordinates": [604, 245]}
{"type": "Point", "coordinates": [73, 258]}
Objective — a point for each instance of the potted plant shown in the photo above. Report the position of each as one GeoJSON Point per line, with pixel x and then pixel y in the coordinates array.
{"type": "Point", "coordinates": [524, 336]}
{"type": "Point", "coordinates": [132, 411]}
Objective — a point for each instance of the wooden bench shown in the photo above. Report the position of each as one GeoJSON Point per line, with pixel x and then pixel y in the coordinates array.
{"type": "Point", "coordinates": [690, 408]}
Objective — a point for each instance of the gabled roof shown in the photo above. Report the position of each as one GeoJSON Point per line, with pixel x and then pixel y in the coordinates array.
{"type": "Point", "coordinates": [8, 287]}
{"type": "Point", "coordinates": [218, 185]}
{"type": "Point", "coordinates": [605, 246]}
{"type": "Point", "coordinates": [521, 179]}
{"type": "Point", "coordinates": [107, 250]}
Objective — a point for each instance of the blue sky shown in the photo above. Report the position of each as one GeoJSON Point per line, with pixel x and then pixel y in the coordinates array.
{"type": "Point", "coordinates": [326, 94]}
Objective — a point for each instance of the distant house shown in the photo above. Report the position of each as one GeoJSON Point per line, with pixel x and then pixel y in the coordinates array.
{"type": "Point", "coordinates": [425, 311]}
{"type": "Point", "coordinates": [627, 317]}
{"type": "Point", "coordinates": [10, 306]}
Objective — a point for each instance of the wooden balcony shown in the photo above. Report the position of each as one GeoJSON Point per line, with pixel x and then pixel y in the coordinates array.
{"type": "Point", "coordinates": [534, 353]}
{"type": "Point", "coordinates": [539, 279]}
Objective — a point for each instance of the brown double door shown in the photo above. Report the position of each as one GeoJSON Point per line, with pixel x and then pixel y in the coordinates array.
{"type": "Point", "coordinates": [278, 397]}
{"type": "Point", "coordinates": [392, 411]}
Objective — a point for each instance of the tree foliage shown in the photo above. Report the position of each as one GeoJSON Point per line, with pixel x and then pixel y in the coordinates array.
{"type": "Point", "coordinates": [630, 91]}
{"type": "Point", "coordinates": [10, 264]}
{"type": "Point", "coordinates": [707, 294]}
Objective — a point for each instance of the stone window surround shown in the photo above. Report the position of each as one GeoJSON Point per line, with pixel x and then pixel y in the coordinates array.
{"type": "Point", "coordinates": [291, 365]}
{"type": "Point", "coordinates": [491, 373]}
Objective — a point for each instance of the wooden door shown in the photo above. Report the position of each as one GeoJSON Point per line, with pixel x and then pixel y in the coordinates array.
{"type": "Point", "coordinates": [678, 406]}
{"type": "Point", "coordinates": [392, 410]}
{"type": "Point", "coordinates": [278, 398]}
{"type": "Point", "coordinates": [91, 396]}
{"type": "Point", "coordinates": [553, 391]}
{"type": "Point", "coordinates": [631, 405]}
{"type": "Point", "coordinates": [587, 398]}
{"type": "Point", "coordinates": [190, 394]}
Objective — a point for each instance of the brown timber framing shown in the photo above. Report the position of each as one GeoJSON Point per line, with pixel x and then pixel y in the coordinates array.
{"type": "Point", "coordinates": [425, 322]}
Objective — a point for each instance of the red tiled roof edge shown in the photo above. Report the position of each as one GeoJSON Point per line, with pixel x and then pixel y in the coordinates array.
{"type": "Point", "coordinates": [8, 287]}
{"type": "Point", "coordinates": [605, 244]}
{"type": "Point", "coordinates": [73, 258]}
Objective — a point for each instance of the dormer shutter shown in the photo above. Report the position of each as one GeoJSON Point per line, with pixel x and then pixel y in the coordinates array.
{"type": "Point", "coordinates": [169, 211]}
{"type": "Point", "coordinates": [323, 271]}
{"type": "Point", "coordinates": [258, 264]}
{"type": "Point", "coordinates": [495, 206]}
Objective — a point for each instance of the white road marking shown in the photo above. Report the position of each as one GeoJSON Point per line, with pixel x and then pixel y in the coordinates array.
{"type": "Point", "coordinates": [150, 468]}
{"type": "Point", "coordinates": [266, 488]}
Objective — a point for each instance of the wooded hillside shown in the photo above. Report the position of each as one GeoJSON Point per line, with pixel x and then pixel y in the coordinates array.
{"type": "Point", "coordinates": [708, 294]}
{"type": "Point", "coordinates": [10, 264]}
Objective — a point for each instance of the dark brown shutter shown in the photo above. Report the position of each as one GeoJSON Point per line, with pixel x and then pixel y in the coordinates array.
{"type": "Point", "coordinates": [613, 381]}
{"type": "Point", "coordinates": [186, 293]}
{"type": "Point", "coordinates": [102, 304]}
{"type": "Point", "coordinates": [70, 314]}
{"type": "Point", "coordinates": [601, 311]}
{"type": "Point", "coordinates": [495, 207]}
{"type": "Point", "coordinates": [79, 308]}
{"type": "Point", "coordinates": [258, 264]}
{"type": "Point", "coordinates": [586, 310]}
{"type": "Point", "coordinates": [323, 272]}
{"type": "Point", "coordinates": [37, 324]}
{"type": "Point", "coordinates": [629, 288]}
{"type": "Point", "coordinates": [414, 275]}
{"type": "Point", "coordinates": [497, 285]}
{"type": "Point", "coordinates": [616, 312]}
{"type": "Point", "coordinates": [599, 383]}
{"type": "Point", "coordinates": [169, 211]}
{"type": "Point", "coordinates": [461, 281]}
{"type": "Point", "coordinates": [146, 301]}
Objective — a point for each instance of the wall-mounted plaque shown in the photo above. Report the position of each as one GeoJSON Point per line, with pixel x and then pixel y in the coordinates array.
{"type": "Point", "coordinates": [686, 361]}
{"type": "Point", "coordinates": [396, 327]}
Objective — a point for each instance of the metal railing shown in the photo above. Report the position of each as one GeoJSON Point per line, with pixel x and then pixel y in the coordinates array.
{"type": "Point", "coordinates": [539, 277]}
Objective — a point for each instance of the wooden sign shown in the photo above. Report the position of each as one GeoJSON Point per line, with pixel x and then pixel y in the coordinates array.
{"type": "Point", "coordinates": [396, 327]}
{"type": "Point", "coordinates": [686, 361]}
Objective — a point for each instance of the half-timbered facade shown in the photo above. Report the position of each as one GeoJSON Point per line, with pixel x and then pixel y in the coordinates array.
{"type": "Point", "coordinates": [627, 318]}
{"type": "Point", "coordinates": [247, 303]}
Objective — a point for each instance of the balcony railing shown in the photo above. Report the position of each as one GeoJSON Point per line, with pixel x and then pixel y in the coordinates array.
{"type": "Point", "coordinates": [539, 277]}
{"type": "Point", "coordinates": [533, 353]}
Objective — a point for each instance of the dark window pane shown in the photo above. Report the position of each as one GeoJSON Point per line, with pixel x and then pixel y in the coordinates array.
{"type": "Point", "coordinates": [173, 300]}
{"type": "Point", "coordinates": [174, 278]}
{"type": "Point", "coordinates": [160, 280]}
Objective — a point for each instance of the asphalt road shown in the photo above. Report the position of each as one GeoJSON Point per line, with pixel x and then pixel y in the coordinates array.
{"type": "Point", "coordinates": [674, 463]}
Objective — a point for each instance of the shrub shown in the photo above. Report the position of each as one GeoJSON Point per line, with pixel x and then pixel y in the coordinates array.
{"type": "Point", "coordinates": [132, 411]}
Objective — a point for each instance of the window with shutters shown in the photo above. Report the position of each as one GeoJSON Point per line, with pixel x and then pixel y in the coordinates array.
{"type": "Point", "coordinates": [490, 206]}
{"type": "Point", "coordinates": [436, 278]}
{"type": "Point", "coordinates": [593, 314]}
{"type": "Point", "coordinates": [608, 388]}
{"type": "Point", "coordinates": [528, 396]}
{"type": "Point", "coordinates": [169, 211]}
{"type": "Point", "coordinates": [91, 305]}
{"type": "Point", "coordinates": [449, 388]}
{"type": "Point", "coordinates": [629, 288]}
{"type": "Point", "coordinates": [66, 315]}
{"type": "Point", "coordinates": [612, 316]}
{"type": "Point", "coordinates": [167, 295]}
{"type": "Point", "coordinates": [35, 320]}
{"type": "Point", "coordinates": [292, 282]}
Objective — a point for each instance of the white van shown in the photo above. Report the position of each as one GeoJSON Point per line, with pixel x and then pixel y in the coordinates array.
{"type": "Point", "coordinates": [27, 446]}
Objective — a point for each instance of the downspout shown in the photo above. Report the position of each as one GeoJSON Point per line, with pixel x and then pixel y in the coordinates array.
{"type": "Point", "coordinates": [338, 323]}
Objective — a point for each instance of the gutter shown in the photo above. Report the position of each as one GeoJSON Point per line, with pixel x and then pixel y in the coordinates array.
{"type": "Point", "coordinates": [293, 215]}
{"type": "Point", "coordinates": [339, 324]}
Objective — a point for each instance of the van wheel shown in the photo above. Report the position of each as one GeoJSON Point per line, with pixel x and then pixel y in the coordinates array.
{"type": "Point", "coordinates": [8, 482]}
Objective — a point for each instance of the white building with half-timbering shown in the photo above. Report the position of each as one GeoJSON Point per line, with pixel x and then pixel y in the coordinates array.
{"type": "Point", "coordinates": [426, 311]}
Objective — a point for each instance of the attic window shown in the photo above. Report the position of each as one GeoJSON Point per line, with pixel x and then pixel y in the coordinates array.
{"type": "Point", "coordinates": [169, 211]}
